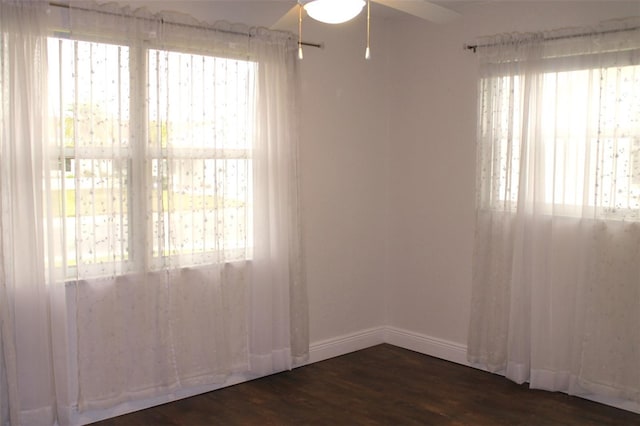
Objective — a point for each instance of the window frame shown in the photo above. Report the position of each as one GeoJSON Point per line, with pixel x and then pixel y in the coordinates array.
{"type": "Point", "coordinates": [491, 186]}
{"type": "Point", "coordinates": [139, 156]}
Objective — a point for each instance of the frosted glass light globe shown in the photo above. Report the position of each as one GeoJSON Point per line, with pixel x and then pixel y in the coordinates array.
{"type": "Point", "coordinates": [334, 11]}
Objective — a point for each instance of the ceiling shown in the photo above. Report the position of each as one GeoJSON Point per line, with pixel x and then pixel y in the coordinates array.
{"type": "Point", "coordinates": [265, 12]}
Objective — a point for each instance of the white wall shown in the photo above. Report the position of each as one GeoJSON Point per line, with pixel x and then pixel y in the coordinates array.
{"type": "Point", "coordinates": [344, 178]}
{"type": "Point", "coordinates": [432, 161]}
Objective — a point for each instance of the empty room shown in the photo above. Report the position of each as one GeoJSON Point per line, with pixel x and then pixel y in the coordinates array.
{"type": "Point", "coordinates": [267, 212]}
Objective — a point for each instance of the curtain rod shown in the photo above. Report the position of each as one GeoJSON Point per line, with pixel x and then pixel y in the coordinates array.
{"type": "Point", "coordinates": [475, 47]}
{"type": "Point", "coordinates": [68, 6]}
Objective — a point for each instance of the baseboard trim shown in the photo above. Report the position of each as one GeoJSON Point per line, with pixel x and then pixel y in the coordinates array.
{"type": "Point", "coordinates": [439, 348]}
{"type": "Point", "coordinates": [342, 345]}
{"type": "Point", "coordinates": [406, 339]}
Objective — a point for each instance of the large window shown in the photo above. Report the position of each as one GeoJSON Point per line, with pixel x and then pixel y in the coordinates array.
{"type": "Point", "coordinates": [555, 264]}
{"type": "Point", "coordinates": [582, 141]}
{"type": "Point", "coordinates": [153, 162]}
{"type": "Point", "coordinates": [149, 213]}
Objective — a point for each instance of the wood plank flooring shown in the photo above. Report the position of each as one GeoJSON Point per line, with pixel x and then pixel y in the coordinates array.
{"type": "Point", "coordinates": [382, 385]}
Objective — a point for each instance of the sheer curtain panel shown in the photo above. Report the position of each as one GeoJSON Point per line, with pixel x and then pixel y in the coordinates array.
{"type": "Point", "coordinates": [28, 371]}
{"type": "Point", "coordinates": [152, 180]}
{"type": "Point", "coordinates": [556, 282]}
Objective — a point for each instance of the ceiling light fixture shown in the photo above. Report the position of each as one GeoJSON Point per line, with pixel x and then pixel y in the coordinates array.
{"type": "Point", "coordinates": [334, 11]}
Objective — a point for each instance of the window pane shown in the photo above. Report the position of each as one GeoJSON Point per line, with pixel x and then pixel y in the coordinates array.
{"type": "Point", "coordinates": [203, 208]}
{"type": "Point", "coordinates": [89, 113]}
{"type": "Point", "coordinates": [200, 101]}
{"type": "Point", "coordinates": [201, 130]}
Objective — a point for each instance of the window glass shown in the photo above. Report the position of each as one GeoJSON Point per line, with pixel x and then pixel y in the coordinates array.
{"type": "Point", "coordinates": [588, 151]}
{"type": "Point", "coordinates": [171, 182]}
{"type": "Point", "coordinates": [89, 125]}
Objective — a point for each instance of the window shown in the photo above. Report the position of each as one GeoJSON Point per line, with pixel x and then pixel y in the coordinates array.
{"type": "Point", "coordinates": [200, 129]}
{"type": "Point", "coordinates": [153, 157]}
{"type": "Point", "coordinates": [555, 268]}
{"type": "Point", "coordinates": [583, 141]}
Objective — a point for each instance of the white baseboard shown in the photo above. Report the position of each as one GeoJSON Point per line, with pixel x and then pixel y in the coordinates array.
{"type": "Point", "coordinates": [439, 348]}
{"type": "Point", "coordinates": [417, 342]}
{"type": "Point", "coordinates": [342, 345]}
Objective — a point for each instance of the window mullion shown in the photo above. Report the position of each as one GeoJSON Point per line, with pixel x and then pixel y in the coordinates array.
{"type": "Point", "coordinates": [139, 167]}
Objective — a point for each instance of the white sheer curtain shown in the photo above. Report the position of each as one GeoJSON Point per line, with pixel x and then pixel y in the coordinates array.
{"type": "Point", "coordinates": [163, 161]}
{"type": "Point", "coordinates": [27, 363]}
{"type": "Point", "coordinates": [556, 284]}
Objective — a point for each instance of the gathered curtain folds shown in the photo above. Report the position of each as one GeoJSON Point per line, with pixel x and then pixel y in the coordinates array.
{"type": "Point", "coordinates": [556, 272]}
{"type": "Point", "coordinates": [149, 195]}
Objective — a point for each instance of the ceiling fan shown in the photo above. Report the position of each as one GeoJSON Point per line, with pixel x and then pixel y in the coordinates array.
{"type": "Point", "coordinates": [339, 11]}
{"type": "Point", "coordinates": [421, 8]}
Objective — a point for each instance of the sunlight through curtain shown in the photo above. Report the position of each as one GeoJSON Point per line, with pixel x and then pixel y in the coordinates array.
{"type": "Point", "coordinates": [556, 282]}
{"type": "Point", "coordinates": [152, 178]}
{"type": "Point", "coordinates": [27, 382]}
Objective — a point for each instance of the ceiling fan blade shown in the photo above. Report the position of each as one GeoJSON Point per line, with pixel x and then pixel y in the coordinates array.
{"type": "Point", "coordinates": [422, 9]}
{"type": "Point", "coordinates": [288, 21]}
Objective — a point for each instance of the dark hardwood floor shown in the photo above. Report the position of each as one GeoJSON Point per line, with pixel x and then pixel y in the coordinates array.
{"type": "Point", "coordinates": [382, 385]}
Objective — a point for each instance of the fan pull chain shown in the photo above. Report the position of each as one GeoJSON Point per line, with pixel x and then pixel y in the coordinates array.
{"type": "Point", "coordinates": [367, 52]}
{"type": "Point", "coordinates": [300, 55]}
